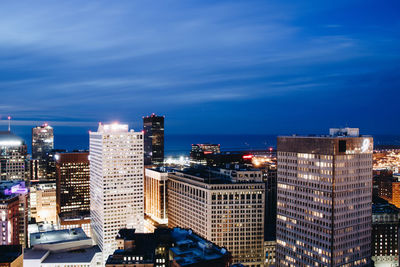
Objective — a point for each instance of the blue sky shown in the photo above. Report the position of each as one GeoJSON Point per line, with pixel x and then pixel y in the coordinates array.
{"type": "Point", "coordinates": [208, 66]}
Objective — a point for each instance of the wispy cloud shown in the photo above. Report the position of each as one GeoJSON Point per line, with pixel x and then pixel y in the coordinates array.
{"type": "Point", "coordinates": [85, 61]}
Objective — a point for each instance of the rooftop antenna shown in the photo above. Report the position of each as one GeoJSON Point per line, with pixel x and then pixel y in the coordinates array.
{"type": "Point", "coordinates": [9, 123]}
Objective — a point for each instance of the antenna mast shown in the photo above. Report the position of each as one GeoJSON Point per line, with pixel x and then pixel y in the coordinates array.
{"type": "Point", "coordinates": [9, 123]}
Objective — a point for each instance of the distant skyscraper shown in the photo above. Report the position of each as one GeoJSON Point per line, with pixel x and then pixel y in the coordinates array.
{"type": "Point", "coordinates": [116, 183]}
{"type": "Point", "coordinates": [199, 152]}
{"type": "Point", "coordinates": [153, 127]}
{"type": "Point", "coordinates": [13, 153]}
{"type": "Point", "coordinates": [324, 199]}
{"type": "Point", "coordinates": [73, 194]}
{"type": "Point", "coordinates": [42, 141]}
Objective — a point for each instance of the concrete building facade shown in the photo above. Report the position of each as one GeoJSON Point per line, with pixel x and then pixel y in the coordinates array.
{"type": "Point", "coordinates": [116, 183]}
{"type": "Point", "coordinates": [324, 199]}
{"type": "Point", "coordinates": [229, 214]}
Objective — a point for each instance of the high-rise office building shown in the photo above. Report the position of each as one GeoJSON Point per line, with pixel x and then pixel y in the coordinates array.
{"type": "Point", "coordinates": [38, 170]}
{"type": "Point", "coordinates": [155, 187]}
{"type": "Point", "coordinates": [223, 206]}
{"type": "Point", "coordinates": [116, 183]}
{"type": "Point", "coordinates": [13, 157]}
{"type": "Point", "coordinates": [42, 141]}
{"type": "Point", "coordinates": [153, 128]}
{"type": "Point", "coordinates": [324, 199]}
{"type": "Point", "coordinates": [73, 194]}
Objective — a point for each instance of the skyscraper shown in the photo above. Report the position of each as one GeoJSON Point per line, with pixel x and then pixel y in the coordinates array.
{"type": "Point", "coordinates": [13, 153]}
{"type": "Point", "coordinates": [116, 183]}
{"type": "Point", "coordinates": [155, 185]}
{"type": "Point", "coordinates": [324, 199]}
{"type": "Point", "coordinates": [42, 141]}
{"type": "Point", "coordinates": [73, 194]}
{"type": "Point", "coordinates": [153, 127]}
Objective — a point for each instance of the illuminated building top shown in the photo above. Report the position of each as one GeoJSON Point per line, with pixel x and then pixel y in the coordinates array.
{"type": "Point", "coordinates": [112, 128]}
{"type": "Point", "coordinates": [8, 139]}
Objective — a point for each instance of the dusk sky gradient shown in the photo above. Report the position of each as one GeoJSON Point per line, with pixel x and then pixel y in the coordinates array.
{"type": "Point", "coordinates": [209, 66]}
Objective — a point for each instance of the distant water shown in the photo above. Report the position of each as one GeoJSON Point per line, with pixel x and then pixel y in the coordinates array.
{"type": "Point", "coordinates": [177, 145]}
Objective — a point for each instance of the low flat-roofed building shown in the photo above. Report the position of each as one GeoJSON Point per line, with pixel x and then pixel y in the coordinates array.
{"type": "Point", "coordinates": [78, 257]}
{"type": "Point", "coordinates": [166, 247]}
{"type": "Point", "coordinates": [191, 250]}
{"type": "Point", "coordinates": [11, 256]}
{"type": "Point", "coordinates": [60, 240]}
{"type": "Point", "coordinates": [69, 248]}
{"type": "Point", "coordinates": [71, 220]}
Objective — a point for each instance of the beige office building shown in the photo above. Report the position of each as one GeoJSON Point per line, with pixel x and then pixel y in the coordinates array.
{"type": "Point", "coordinates": [324, 199]}
{"type": "Point", "coordinates": [155, 187]}
{"type": "Point", "coordinates": [43, 202]}
{"type": "Point", "coordinates": [226, 211]}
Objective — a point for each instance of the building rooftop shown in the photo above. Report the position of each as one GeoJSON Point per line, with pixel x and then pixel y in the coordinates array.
{"type": "Point", "coordinates": [205, 175]}
{"type": "Point", "coordinates": [34, 254]}
{"type": "Point", "coordinates": [84, 255]}
{"type": "Point", "coordinates": [9, 139]}
{"type": "Point", "coordinates": [74, 215]}
{"type": "Point", "coordinates": [58, 236]}
{"type": "Point", "coordinates": [384, 208]}
{"type": "Point", "coordinates": [143, 249]}
{"type": "Point", "coordinates": [113, 128]}
{"type": "Point", "coordinates": [163, 169]}
{"type": "Point", "coordinates": [192, 249]}
{"type": "Point", "coordinates": [81, 255]}
{"type": "Point", "coordinates": [12, 188]}
{"type": "Point", "coordinates": [334, 133]}
{"type": "Point", "coordinates": [8, 253]}
{"type": "Point", "coordinates": [210, 175]}
{"type": "Point", "coordinates": [185, 246]}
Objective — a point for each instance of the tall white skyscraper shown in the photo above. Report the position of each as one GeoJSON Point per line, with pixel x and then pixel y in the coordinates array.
{"type": "Point", "coordinates": [116, 183]}
{"type": "Point", "coordinates": [324, 199]}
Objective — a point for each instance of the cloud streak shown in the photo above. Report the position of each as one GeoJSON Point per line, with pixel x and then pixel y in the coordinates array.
{"type": "Point", "coordinates": [91, 61]}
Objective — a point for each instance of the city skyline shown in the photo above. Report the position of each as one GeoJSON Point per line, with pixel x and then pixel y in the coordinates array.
{"type": "Point", "coordinates": [260, 67]}
{"type": "Point", "coordinates": [200, 133]}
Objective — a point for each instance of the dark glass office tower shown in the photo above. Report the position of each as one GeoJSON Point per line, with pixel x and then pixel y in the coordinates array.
{"type": "Point", "coordinates": [153, 127]}
{"type": "Point", "coordinates": [42, 141]}
{"type": "Point", "coordinates": [72, 182]}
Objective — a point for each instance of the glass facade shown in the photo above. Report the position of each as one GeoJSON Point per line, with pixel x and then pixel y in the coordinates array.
{"type": "Point", "coordinates": [153, 127]}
